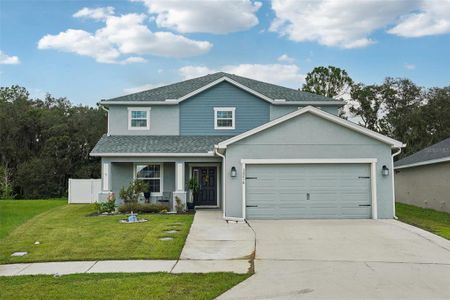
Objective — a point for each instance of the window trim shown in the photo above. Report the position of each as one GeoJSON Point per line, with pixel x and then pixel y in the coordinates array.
{"type": "Point", "coordinates": [233, 118]}
{"type": "Point", "coordinates": [146, 109]}
{"type": "Point", "coordinates": [161, 176]}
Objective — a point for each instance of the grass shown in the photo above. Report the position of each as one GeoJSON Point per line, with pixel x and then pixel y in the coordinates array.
{"type": "Point", "coordinates": [15, 212]}
{"type": "Point", "coordinates": [431, 220]}
{"type": "Point", "coordinates": [67, 233]}
{"type": "Point", "coordinates": [119, 286]}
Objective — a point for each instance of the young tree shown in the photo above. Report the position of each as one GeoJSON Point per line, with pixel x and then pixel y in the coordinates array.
{"type": "Point", "coordinates": [328, 81]}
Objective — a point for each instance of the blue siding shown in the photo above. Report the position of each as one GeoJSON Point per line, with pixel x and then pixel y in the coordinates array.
{"type": "Point", "coordinates": [197, 113]}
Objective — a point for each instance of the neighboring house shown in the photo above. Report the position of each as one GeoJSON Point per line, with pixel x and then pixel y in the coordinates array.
{"type": "Point", "coordinates": [423, 178]}
{"type": "Point", "coordinates": [258, 150]}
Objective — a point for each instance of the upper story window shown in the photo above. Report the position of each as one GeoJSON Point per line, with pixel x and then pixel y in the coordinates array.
{"type": "Point", "coordinates": [138, 118]}
{"type": "Point", "coordinates": [224, 117]}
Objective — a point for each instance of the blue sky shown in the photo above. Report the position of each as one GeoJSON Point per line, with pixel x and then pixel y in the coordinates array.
{"type": "Point", "coordinates": [115, 47]}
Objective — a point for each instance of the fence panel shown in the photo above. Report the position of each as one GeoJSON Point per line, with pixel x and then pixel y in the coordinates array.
{"type": "Point", "coordinates": [84, 190]}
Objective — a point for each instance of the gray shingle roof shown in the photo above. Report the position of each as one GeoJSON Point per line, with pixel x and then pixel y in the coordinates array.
{"type": "Point", "coordinates": [182, 88]}
{"type": "Point", "coordinates": [156, 144]}
{"type": "Point", "coordinates": [436, 151]}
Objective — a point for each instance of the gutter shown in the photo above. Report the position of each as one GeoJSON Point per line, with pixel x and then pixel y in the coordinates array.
{"type": "Point", "coordinates": [107, 110]}
{"type": "Point", "coordinates": [393, 183]}
{"type": "Point", "coordinates": [216, 151]}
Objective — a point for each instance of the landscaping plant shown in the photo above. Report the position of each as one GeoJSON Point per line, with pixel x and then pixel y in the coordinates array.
{"type": "Point", "coordinates": [142, 208]}
{"type": "Point", "coordinates": [106, 207]}
{"type": "Point", "coordinates": [179, 206]}
{"type": "Point", "coordinates": [134, 190]}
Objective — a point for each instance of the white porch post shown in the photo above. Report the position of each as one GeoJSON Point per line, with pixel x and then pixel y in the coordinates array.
{"type": "Point", "coordinates": [180, 191]}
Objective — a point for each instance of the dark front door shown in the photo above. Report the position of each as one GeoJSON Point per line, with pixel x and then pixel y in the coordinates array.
{"type": "Point", "coordinates": [207, 179]}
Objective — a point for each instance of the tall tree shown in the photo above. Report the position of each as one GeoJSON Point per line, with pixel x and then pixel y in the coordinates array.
{"type": "Point", "coordinates": [328, 81]}
{"type": "Point", "coordinates": [367, 105]}
{"type": "Point", "coordinates": [44, 142]}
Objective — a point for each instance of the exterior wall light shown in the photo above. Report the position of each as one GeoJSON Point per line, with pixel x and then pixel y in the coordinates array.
{"type": "Point", "coordinates": [233, 172]}
{"type": "Point", "coordinates": [385, 171]}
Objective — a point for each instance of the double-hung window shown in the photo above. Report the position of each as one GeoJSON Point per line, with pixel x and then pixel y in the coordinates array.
{"type": "Point", "coordinates": [224, 117]}
{"type": "Point", "coordinates": [138, 118]}
{"type": "Point", "coordinates": [151, 173]}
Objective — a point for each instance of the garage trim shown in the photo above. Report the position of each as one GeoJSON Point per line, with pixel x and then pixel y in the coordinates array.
{"type": "Point", "coordinates": [371, 161]}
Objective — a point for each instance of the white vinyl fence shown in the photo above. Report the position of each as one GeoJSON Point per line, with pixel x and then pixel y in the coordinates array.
{"type": "Point", "coordinates": [84, 190]}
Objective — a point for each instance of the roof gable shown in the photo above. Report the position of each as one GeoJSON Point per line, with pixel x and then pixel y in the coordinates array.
{"type": "Point", "coordinates": [319, 113]}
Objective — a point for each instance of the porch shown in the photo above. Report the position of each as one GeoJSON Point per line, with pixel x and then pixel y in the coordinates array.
{"type": "Point", "coordinates": [167, 178]}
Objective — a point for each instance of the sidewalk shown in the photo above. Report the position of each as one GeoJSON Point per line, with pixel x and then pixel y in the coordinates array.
{"type": "Point", "coordinates": [212, 245]}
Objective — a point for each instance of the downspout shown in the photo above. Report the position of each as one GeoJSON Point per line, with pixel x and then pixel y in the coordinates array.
{"type": "Point", "coordinates": [107, 110]}
{"type": "Point", "coordinates": [393, 183]}
{"type": "Point", "coordinates": [216, 151]}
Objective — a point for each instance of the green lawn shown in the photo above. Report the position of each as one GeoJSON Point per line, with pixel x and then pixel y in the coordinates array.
{"type": "Point", "coordinates": [15, 212]}
{"type": "Point", "coordinates": [428, 219]}
{"type": "Point", "coordinates": [119, 286]}
{"type": "Point", "coordinates": [67, 233]}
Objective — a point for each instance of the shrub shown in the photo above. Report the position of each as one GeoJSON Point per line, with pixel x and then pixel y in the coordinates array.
{"type": "Point", "coordinates": [143, 208]}
{"type": "Point", "coordinates": [130, 194]}
{"type": "Point", "coordinates": [179, 206]}
{"type": "Point", "coordinates": [108, 206]}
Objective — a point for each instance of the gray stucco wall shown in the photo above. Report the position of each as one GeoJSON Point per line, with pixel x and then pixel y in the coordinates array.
{"type": "Point", "coordinates": [308, 136]}
{"type": "Point", "coordinates": [425, 186]}
{"type": "Point", "coordinates": [197, 113]}
{"type": "Point", "coordinates": [164, 120]}
{"type": "Point", "coordinates": [277, 111]}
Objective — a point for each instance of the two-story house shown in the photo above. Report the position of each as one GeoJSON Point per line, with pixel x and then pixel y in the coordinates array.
{"type": "Point", "coordinates": [257, 150]}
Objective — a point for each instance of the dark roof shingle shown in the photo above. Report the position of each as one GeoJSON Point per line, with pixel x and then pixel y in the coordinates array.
{"type": "Point", "coordinates": [182, 88]}
{"type": "Point", "coordinates": [436, 151]}
{"type": "Point", "coordinates": [156, 144]}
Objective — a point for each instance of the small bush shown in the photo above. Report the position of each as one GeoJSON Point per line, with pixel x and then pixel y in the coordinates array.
{"type": "Point", "coordinates": [179, 206]}
{"type": "Point", "coordinates": [130, 194]}
{"type": "Point", "coordinates": [142, 208]}
{"type": "Point", "coordinates": [108, 206]}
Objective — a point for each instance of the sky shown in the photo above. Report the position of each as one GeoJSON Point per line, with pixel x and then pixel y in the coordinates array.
{"type": "Point", "coordinates": [92, 50]}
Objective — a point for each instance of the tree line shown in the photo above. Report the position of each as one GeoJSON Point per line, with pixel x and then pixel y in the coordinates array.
{"type": "Point", "coordinates": [44, 142]}
{"type": "Point", "coordinates": [397, 107]}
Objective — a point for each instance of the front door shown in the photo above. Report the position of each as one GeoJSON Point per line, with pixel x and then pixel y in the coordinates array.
{"type": "Point", "coordinates": [207, 180]}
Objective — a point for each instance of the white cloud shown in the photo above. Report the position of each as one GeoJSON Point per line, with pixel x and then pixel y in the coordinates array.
{"type": "Point", "coordinates": [6, 59]}
{"type": "Point", "coordinates": [100, 13]}
{"type": "Point", "coordinates": [141, 88]}
{"type": "Point", "coordinates": [282, 74]}
{"type": "Point", "coordinates": [285, 58]}
{"type": "Point", "coordinates": [123, 35]}
{"type": "Point", "coordinates": [433, 19]}
{"type": "Point", "coordinates": [213, 16]}
{"type": "Point", "coordinates": [342, 23]}
{"type": "Point", "coordinates": [409, 66]}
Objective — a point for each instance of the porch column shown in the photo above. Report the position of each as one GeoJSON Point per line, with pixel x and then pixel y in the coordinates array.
{"type": "Point", "coordinates": [180, 191]}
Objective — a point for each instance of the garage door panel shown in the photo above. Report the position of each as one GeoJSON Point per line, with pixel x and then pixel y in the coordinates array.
{"type": "Point", "coordinates": [308, 191]}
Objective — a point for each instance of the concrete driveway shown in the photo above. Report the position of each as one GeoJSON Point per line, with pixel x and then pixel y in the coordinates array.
{"type": "Point", "coordinates": [346, 259]}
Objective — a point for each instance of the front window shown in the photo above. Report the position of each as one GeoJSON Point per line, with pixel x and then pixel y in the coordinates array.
{"type": "Point", "coordinates": [138, 118]}
{"type": "Point", "coordinates": [224, 117]}
{"type": "Point", "coordinates": [152, 174]}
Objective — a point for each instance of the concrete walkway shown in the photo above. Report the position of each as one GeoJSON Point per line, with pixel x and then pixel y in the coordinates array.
{"type": "Point", "coordinates": [213, 245]}
{"type": "Point", "coordinates": [213, 238]}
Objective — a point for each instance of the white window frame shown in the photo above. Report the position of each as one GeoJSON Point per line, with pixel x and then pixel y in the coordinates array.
{"type": "Point", "coordinates": [161, 176]}
{"type": "Point", "coordinates": [146, 109]}
{"type": "Point", "coordinates": [233, 118]}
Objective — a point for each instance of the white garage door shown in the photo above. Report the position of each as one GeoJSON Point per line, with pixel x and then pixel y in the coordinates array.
{"type": "Point", "coordinates": [328, 191]}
